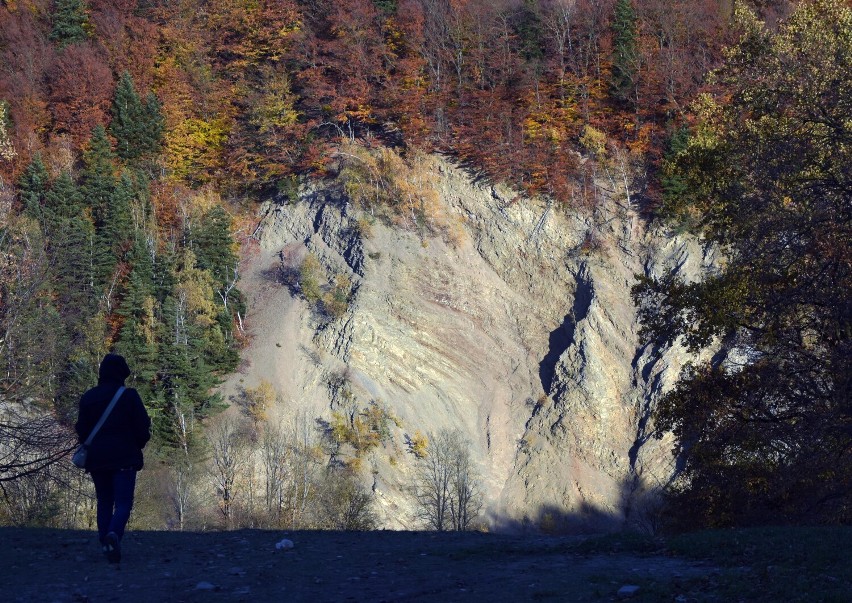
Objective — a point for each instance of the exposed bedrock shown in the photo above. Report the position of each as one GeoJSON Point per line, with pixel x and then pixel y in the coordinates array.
{"type": "Point", "coordinates": [524, 336]}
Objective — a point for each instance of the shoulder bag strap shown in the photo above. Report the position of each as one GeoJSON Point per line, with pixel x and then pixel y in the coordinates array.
{"type": "Point", "coordinates": [105, 415]}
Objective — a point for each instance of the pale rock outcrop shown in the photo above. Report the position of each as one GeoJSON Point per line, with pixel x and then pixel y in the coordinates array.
{"type": "Point", "coordinates": [524, 336]}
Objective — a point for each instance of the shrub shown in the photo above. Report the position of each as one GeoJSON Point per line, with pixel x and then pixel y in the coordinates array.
{"type": "Point", "coordinates": [418, 444]}
{"type": "Point", "coordinates": [309, 278]}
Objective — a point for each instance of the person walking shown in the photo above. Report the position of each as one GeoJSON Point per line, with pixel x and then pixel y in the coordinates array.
{"type": "Point", "coordinates": [115, 452]}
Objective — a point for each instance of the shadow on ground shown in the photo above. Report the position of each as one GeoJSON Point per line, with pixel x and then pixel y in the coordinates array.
{"type": "Point", "coordinates": [66, 565]}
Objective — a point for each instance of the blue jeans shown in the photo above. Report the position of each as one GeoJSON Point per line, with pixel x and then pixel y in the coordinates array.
{"type": "Point", "coordinates": [114, 490]}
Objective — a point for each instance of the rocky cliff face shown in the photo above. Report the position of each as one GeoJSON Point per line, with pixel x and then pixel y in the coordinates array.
{"type": "Point", "coordinates": [523, 335]}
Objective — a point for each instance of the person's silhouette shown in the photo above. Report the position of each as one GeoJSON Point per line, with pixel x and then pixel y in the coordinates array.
{"type": "Point", "coordinates": [115, 453]}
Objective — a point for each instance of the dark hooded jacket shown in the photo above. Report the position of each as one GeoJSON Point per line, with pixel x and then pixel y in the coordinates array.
{"type": "Point", "coordinates": [119, 442]}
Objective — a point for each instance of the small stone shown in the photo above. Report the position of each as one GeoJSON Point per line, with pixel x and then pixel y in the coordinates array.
{"type": "Point", "coordinates": [628, 590]}
{"type": "Point", "coordinates": [284, 544]}
{"type": "Point", "coordinates": [236, 571]}
{"type": "Point", "coordinates": [204, 586]}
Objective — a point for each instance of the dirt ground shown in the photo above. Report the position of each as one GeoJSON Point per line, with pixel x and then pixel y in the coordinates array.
{"type": "Point", "coordinates": [59, 566]}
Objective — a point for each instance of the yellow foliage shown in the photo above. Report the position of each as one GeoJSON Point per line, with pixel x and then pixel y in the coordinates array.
{"type": "Point", "coordinates": [418, 444]}
{"type": "Point", "coordinates": [594, 141]}
{"type": "Point", "coordinates": [310, 273]}
{"type": "Point", "coordinates": [195, 291]}
{"type": "Point", "coordinates": [194, 147]}
{"type": "Point", "coordinates": [363, 431]}
{"type": "Point", "coordinates": [203, 200]}
{"type": "Point", "coordinates": [147, 322]}
{"type": "Point", "coordinates": [336, 301]}
{"type": "Point", "coordinates": [365, 227]}
{"type": "Point", "coordinates": [258, 400]}
{"type": "Point", "coordinates": [404, 188]}
{"type": "Point", "coordinates": [276, 106]}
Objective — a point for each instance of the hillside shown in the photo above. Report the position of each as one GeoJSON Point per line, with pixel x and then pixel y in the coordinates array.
{"type": "Point", "coordinates": [572, 265]}
{"type": "Point", "coordinates": [515, 334]}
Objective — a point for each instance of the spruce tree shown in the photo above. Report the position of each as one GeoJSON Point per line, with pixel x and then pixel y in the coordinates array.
{"type": "Point", "coordinates": [113, 239]}
{"type": "Point", "coordinates": [185, 379]}
{"type": "Point", "coordinates": [153, 126]}
{"type": "Point", "coordinates": [528, 26]}
{"type": "Point", "coordinates": [127, 120]}
{"type": "Point", "coordinates": [61, 202]}
{"type": "Point", "coordinates": [118, 227]}
{"type": "Point", "coordinates": [98, 175]}
{"type": "Point", "coordinates": [625, 52]}
{"type": "Point", "coordinates": [137, 127]}
{"type": "Point", "coordinates": [70, 22]}
{"type": "Point", "coordinates": [137, 338]}
{"type": "Point", "coordinates": [214, 252]}
{"type": "Point", "coordinates": [213, 245]}
{"type": "Point", "coordinates": [71, 247]}
{"type": "Point", "coordinates": [32, 187]}
{"type": "Point", "coordinates": [387, 7]}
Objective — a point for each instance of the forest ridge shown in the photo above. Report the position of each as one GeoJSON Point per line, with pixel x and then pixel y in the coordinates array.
{"type": "Point", "coordinates": [252, 92]}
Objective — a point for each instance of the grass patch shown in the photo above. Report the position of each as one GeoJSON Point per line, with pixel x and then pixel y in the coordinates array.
{"type": "Point", "coordinates": [782, 563]}
{"type": "Point", "coordinates": [755, 564]}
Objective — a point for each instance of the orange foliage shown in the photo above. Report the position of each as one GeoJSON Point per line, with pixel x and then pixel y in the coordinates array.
{"type": "Point", "coordinates": [255, 91]}
{"type": "Point", "coordinates": [81, 88]}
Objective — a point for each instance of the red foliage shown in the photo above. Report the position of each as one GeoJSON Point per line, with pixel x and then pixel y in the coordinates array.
{"type": "Point", "coordinates": [24, 55]}
{"type": "Point", "coordinates": [129, 41]}
{"type": "Point", "coordinates": [505, 85]}
{"type": "Point", "coordinates": [81, 88]}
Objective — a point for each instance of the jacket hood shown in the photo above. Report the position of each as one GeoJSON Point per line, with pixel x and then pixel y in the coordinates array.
{"type": "Point", "coordinates": [113, 369]}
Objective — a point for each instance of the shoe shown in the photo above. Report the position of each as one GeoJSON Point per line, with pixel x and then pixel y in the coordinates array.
{"type": "Point", "coordinates": [112, 548]}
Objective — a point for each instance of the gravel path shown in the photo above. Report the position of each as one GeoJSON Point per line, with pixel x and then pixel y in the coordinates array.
{"type": "Point", "coordinates": [60, 566]}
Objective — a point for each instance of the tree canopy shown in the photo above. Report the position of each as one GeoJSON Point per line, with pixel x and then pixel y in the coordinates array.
{"type": "Point", "coordinates": [765, 429]}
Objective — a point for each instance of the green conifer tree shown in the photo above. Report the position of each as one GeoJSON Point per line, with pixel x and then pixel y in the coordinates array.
{"type": "Point", "coordinates": [154, 126]}
{"type": "Point", "coordinates": [137, 338]}
{"type": "Point", "coordinates": [529, 30]}
{"type": "Point", "coordinates": [625, 52]}
{"type": "Point", "coordinates": [113, 239]}
{"type": "Point", "coordinates": [185, 379]}
{"type": "Point", "coordinates": [127, 119]}
{"type": "Point", "coordinates": [118, 228]}
{"type": "Point", "coordinates": [32, 187]}
{"type": "Point", "coordinates": [62, 201]}
{"type": "Point", "coordinates": [98, 175]}
{"type": "Point", "coordinates": [214, 251]}
{"type": "Point", "coordinates": [136, 126]}
{"type": "Point", "coordinates": [71, 247]}
{"type": "Point", "coordinates": [213, 245]}
{"type": "Point", "coordinates": [99, 191]}
{"type": "Point", "coordinates": [70, 22]}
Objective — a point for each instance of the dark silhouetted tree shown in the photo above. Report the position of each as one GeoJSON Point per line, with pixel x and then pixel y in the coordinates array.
{"type": "Point", "coordinates": [765, 435]}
